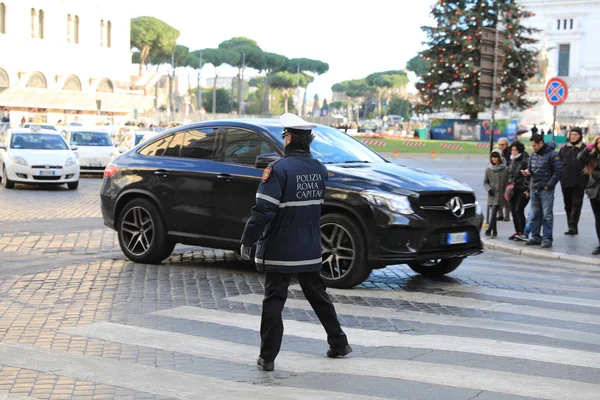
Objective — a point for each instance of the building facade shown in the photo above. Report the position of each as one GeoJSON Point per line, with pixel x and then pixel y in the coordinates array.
{"type": "Point", "coordinates": [569, 50]}
{"type": "Point", "coordinates": [66, 60]}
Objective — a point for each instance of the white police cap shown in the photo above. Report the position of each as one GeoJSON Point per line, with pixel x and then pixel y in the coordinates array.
{"type": "Point", "coordinates": [294, 122]}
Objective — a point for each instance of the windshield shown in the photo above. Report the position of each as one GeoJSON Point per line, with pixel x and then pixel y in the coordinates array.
{"type": "Point", "coordinates": [37, 141]}
{"type": "Point", "coordinates": [91, 139]}
{"type": "Point", "coordinates": [332, 146]}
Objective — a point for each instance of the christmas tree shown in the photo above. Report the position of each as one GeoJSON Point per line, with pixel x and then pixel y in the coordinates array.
{"type": "Point", "coordinates": [454, 51]}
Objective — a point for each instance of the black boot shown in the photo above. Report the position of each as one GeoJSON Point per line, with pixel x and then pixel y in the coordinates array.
{"type": "Point", "coordinates": [596, 251]}
{"type": "Point", "coordinates": [265, 365]}
{"type": "Point", "coordinates": [344, 351]}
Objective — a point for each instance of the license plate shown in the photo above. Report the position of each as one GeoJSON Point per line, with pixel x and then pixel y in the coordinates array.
{"type": "Point", "coordinates": [94, 164]}
{"type": "Point", "coordinates": [47, 172]}
{"type": "Point", "coordinates": [457, 238]}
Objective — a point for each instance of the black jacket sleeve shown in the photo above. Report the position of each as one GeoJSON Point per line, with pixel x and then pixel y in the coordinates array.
{"type": "Point", "coordinates": [268, 197]}
{"type": "Point", "coordinates": [556, 165]}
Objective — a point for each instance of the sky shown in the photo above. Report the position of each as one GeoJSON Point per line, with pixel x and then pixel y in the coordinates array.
{"type": "Point", "coordinates": [354, 38]}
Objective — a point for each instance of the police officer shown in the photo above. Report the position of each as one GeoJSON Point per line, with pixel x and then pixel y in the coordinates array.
{"type": "Point", "coordinates": [285, 226]}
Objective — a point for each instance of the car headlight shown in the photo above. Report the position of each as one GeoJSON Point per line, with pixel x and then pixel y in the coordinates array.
{"type": "Point", "coordinates": [393, 202]}
{"type": "Point", "coordinates": [20, 161]}
{"type": "Point", "coordinates": [478, 208]}
{"type": "Point", "coordinates": [70, 162]}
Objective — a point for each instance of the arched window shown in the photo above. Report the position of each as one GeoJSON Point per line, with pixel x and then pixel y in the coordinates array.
{"type": "Point", "coordinates": [34, 25]}
{"type": "Point", "coordinates": [41, 24]}
{"type": "Point", "coordinates": [69, 28]}
{"type": "Point", "coordinates": [37, 80]}
{"type": "Point", "coordinates": [72, 83]}
{"type": "Point", "coordinates": [4, 79]}
{"type": "Point", "coordinates": [108, 33]}
{"type": "Point", "coordinates": [105, 85]}
{"type": "Point", "coordinates": [2, 18]}
{"type": "Point", "coordinates": [102, 33]}
{"type": "Point", "coordinates": [76, 29]}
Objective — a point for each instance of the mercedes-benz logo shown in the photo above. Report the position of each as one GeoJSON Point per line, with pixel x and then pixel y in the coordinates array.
{"type": "Point", "coordinates": [456, 206]}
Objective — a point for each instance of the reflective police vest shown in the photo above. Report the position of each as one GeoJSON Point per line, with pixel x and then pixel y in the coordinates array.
{"type": "Point", "coordinates": [286, 218]}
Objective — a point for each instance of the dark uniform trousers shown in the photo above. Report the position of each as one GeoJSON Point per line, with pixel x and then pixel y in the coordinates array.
{"type": "Point", "coordinates": [276, 290]}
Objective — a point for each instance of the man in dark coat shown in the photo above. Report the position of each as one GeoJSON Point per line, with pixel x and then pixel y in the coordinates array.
{"type": "Point", "coordinates": [285, 226]}
{"type": "Point", "coordinates": [573, 180]}
{"type": "Point", "coordinates": [545, 171]}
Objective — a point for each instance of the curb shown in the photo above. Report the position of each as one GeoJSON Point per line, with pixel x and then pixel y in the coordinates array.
{"type": "Point", "coordinates": [499, 246]}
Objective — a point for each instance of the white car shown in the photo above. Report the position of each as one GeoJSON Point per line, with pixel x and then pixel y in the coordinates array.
{"type": "Point", "coordinates": [41, 126]}
{"type": "Point", "coordinates": [130, 140]}
{"type": "Point", "coordinates": [94, 148]}
{"type": "Point", "coordinates": [37, 156]}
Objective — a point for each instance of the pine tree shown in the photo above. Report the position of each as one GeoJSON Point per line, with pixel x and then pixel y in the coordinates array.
{"type": "Point", "coordinates": [454, 50]}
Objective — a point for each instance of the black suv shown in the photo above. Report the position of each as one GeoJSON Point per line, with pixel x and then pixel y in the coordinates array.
{"type": "Point", "coordinates": [196, 184]}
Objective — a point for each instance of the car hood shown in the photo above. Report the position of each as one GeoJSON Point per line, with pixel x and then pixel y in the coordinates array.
{"type": "Point", "coordinates": [43, 157]}
{"type": "Point", "coordinates": [392, 177]}
{"type": "Point", "coordinates": [94, 151]}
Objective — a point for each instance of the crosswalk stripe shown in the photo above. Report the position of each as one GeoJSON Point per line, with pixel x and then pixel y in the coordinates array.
{"type": "Point", "coordinates": [547, 266]}
{"type": "Point", "coordinates": [513, 294]}
{"type": "Point", "coordinates": [8, 396]}
{"type": "Point", "coordinates": [446, 320]}
{"type": "Point", "coordinates": [467, 302]}
{"type": "Point", "coordinates": [365, 337]}
{"type": "Point", "coordinates": [144, 378]}
{"type": "Point", "coordinates": [539, 277]}
{"type": "Point", "coordinates": [457, 376]}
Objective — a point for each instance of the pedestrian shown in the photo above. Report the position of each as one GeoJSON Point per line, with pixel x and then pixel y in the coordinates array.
{"type": "Point", "coordinates": [285, 227]}
{"type": "Point", "coordinates": [520, 188]}
{"type": "Point", "coordinates": [495, 181]}
{"type": "Point", "coordinates": [504, 212]}
{"type": "Point", "coordinates": [590, 158]}
{"type": "Point", "coordinates": [545, 170]}
{"type": "Point", "coordinates": [534, 130]}
{"type": "Point", "coordinates": [573, 180]}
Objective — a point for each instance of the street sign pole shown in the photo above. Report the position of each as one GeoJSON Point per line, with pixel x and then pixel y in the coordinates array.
{"type": "Point", "coordinates": [494, 91]}
{"type": "Point", "coordinates": [554, 122]}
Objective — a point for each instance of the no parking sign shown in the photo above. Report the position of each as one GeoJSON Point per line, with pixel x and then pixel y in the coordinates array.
{"type": "Point", "coordinates": [557, 92]}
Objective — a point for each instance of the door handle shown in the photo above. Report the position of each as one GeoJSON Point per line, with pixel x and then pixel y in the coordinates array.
{"type": "Point", "coordinates": [161, 172]}
{"type": "Point", "coordinates": [225, 177]}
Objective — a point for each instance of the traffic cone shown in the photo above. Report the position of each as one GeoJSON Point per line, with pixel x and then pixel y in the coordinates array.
{"type": "Point", "coordinates": [433, 154]}
{"type": "Point", "coordinates": [395, 153]}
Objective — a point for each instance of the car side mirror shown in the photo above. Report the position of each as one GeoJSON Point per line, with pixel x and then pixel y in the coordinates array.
{"type": "Point", "coordinates": [264, 160]}
{"type": "Point", "coordinates": [121, 149]}
{"type": "Point", "coordinates": [74, 148]}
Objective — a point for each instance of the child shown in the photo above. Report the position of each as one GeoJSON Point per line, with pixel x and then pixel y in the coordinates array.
{"type": "Point", "coordinates": [496, 179]}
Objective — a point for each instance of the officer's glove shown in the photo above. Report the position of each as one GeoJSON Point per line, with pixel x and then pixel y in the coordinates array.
{"type": "Point", "coordinates": [246, 252]}
{"type": "Point", "coordinates": [491, 192]}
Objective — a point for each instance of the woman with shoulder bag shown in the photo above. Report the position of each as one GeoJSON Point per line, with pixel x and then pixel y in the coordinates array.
{"type": "Point", "coordinates": [518, 196]}
{"type": "Point", "coordinates": [590, 158]}
{"type": "Point", "coordinates": [495, 181]}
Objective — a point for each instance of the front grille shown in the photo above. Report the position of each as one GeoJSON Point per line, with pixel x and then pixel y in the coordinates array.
{"type": "Point", "coordinates": [46, 166]}
{"type": "Point", "coordinates": [46, 178]}
{"type": "Point", "coordinates": [423, 202]}
{"type": "Point", "coordinates": [90, 168]}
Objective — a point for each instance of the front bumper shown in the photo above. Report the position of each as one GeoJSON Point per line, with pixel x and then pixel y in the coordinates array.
{"type": "Point", "coordinates": [29, 174]}
{"type": "Point", "coordinates": [93, 164]}
{"type": "Point", "coordinates": [401, 239]}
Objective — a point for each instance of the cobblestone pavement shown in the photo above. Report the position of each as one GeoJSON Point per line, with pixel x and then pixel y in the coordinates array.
{"type": "Point", "coordinates": [79, 321]}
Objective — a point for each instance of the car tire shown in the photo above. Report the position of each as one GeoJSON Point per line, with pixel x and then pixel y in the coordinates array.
{"type": "Point", "coordinates": [436, 267]}
{"type": "Point", "coordinates": [7, 183]}
{"type": "Point", "coordinates": [342, 237]}
{"type": "Point", "coordinates": [73, 185]}
{"type": "Point", "coordinates": [142, 233]}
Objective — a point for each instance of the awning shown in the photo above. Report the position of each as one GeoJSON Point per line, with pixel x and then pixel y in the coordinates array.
{"type": "Point", "coordinates": [72, 100]}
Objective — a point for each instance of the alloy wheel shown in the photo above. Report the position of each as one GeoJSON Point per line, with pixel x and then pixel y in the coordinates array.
{"type": "Point", "coordinates": [137, 231]}
{"type": "Point", "coordinates": [337, 249]}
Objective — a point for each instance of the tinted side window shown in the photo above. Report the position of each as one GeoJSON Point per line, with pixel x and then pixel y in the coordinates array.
{"type": "Point", "coordinates": [199, 144]}
{"type": "Point", "coordinates": [242, 147]}
{"type": "Point", "coordinates": [175, 145]}
{"type": "Point", "coordinates": [156, 148]}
